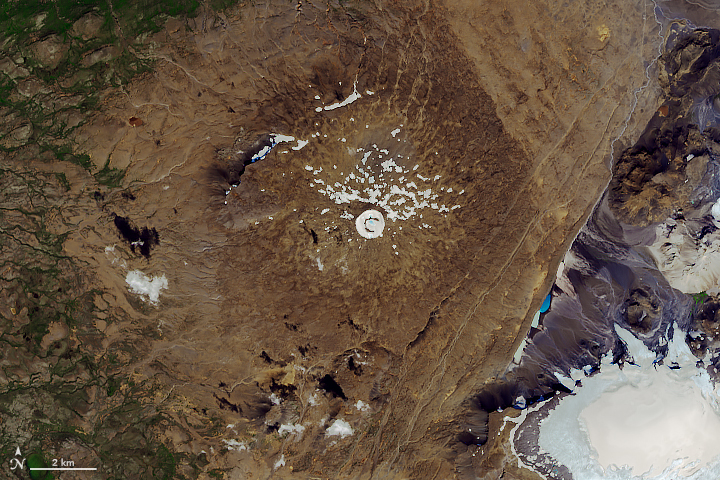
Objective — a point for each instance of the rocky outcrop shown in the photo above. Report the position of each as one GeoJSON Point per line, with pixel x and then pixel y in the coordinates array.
{"type": "Point", "coordinates": [660, 174]}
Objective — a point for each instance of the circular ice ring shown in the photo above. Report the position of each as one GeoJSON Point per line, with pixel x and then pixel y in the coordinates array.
{"type": "Point", "coordinates": [370, 224]}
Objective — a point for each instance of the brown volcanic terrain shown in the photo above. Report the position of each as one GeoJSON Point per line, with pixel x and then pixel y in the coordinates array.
{"type": "Point", "coordinates": [506, 112]}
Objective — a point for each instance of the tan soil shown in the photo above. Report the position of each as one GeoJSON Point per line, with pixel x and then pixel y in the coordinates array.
{"type": "Point", "coordinates": [516, 105]}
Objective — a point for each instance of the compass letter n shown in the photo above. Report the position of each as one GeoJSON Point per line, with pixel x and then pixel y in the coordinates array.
{"type": "Point", "coordinates": [17, 463]}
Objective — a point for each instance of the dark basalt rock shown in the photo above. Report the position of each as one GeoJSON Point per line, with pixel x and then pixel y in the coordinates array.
{"type": "Point", "coordinates": [329, 384]}
{"type": "Point", "coordinates": [608, 284]}
{"type": "Point", "coordinates": [144, 239]}
{"type": "Point", "coordinates": [649, 178]}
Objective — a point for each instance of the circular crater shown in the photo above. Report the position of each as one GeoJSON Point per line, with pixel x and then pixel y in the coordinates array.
{"type": "Point", "coordinates": [370, 224]}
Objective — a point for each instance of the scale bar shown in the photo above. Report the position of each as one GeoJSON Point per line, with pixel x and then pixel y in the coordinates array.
{"type": "Point", "coordinates": [64, 468]}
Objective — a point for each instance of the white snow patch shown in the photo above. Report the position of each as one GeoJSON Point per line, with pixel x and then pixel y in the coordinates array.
{"type": "Point", "coordinates": [362, 406]}
{"type": "Point", "coordinates": [688, 265]}
{"type": "Point", "coordinates": [395, 132]}
{"type": "Point", "coordinates": [567, 382]}
{"type": "Point", "coordinates": [716, 210]}
{"type": "Point", "coordinates": [301, 144]}
{"type": "Point", "coordinates": [370, 224]}
{"type": "Point", "coordinates": [265, 150]}
{"type": "Point", "coordinates": [281, 462]}
{"type": "Point", "coordinates": [145, 286]}
{"type": "Point", "coordinates": [519, 352]}
{"type": "Point", "coordinates": [275, 399]}
{"type": "Point", "coordinates": [350, 99]}
{"type": "Point", "coordinates": [388, 165]}
{"type": "Point", "coordinates": [278, 137]}
{"type": "Point", "coordinates": [235, 445]}
{"type": "Point", "coordinates": [536, 320]}
{"type": "Point", "coordinates": [339, 428]}
{"type": "Point", "coordinates": [644, 421]}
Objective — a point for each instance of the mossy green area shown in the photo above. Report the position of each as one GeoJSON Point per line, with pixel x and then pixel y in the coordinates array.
{"type": "Point", "coordinates": [700, 298]}
{"type": "Point", "coordinates": [69, 398]}
{"type": "Point", "coordinates": [58, 57]}
{"type": "Point", "coordinates": [37, 460]}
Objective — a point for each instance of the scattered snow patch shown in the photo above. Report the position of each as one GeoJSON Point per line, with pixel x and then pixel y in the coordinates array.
{"type": "Point", "coordinates": [235, 445]}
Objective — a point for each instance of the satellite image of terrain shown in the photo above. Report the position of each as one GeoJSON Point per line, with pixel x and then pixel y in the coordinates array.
{"type": "Point", "coordinates": [360, 239]}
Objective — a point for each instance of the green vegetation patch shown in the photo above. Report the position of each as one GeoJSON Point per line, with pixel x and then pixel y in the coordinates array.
{"type": "Point", "coordinates": [57, 58]}
{"type": "Point", "coordinates": [70, 397]}
{"type": "Point", "coordinates": [700, 298]}
{"type": "Point", "coordinates": [110, 177]}
{"type": "Point", "coordinates": [37, 460]}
